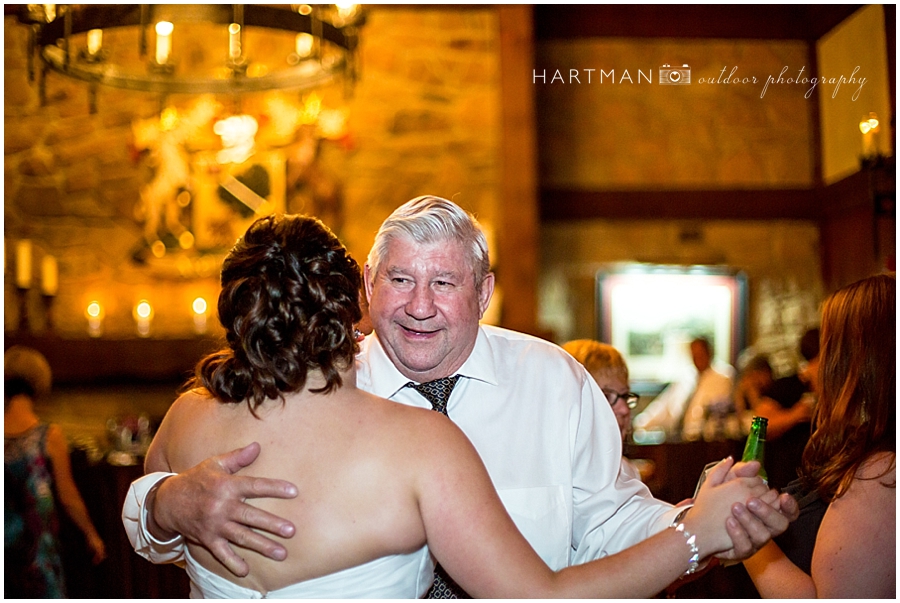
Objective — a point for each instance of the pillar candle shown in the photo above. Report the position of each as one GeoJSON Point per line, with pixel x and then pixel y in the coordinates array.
{"type": "Point", "coordinates": [234, 41]}
{"type": "Point", "coordinates": [23, 264]}
{"type": "Point", "coordinates": [94, 41]}
{"type": "Point", "coordinates": [163, 41]}
{"type": "Point", "coordinates": [49, 275]}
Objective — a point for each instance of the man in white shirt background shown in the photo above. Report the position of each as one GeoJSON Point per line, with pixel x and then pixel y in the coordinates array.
{"type": "Point", "coordinates": [682, 409]}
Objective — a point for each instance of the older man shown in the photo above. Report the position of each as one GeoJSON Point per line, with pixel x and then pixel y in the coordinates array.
{"type": "Point", "coordinates": [540, 423]}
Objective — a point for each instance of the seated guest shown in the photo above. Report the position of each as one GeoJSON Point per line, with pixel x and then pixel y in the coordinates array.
{"type": "Point", "coordinates": [844, 543]}
{"type": "Point", "coordinates": [790, 404]}
{"type": "Point", "coordinates": [378, 481]}
{"type": "Point", "coordinates": [752, 397]}
{"type": "Point", "coordinates": [608, 368]}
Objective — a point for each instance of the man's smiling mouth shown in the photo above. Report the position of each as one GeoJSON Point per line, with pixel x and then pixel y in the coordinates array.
{"type": "Point", "coordinates": [417, 332]}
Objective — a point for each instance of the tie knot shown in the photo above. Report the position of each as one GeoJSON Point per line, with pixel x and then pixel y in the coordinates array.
{"type": "Point", "coordinates": [437, 392]}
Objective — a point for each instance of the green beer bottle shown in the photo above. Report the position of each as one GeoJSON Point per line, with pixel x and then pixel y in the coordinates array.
{"type": "Point", "coordinates": [755, 448]}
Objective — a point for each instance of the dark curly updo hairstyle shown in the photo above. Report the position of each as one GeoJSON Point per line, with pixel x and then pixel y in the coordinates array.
{"type": "Point", "coordinates": [289, 302]}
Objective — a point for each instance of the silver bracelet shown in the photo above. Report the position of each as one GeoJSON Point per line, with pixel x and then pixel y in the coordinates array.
{"type": "Point", "coordinates": [694, 560]}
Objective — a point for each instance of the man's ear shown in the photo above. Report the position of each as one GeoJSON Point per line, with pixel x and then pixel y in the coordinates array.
{"type": "Point", "coordinates": [367, 282]}
{"type": "Point", "coordinates": [487, 291]}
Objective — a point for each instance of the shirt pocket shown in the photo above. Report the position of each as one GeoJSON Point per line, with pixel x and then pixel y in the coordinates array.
{"type": "Point", "coordinates": [540, 514]}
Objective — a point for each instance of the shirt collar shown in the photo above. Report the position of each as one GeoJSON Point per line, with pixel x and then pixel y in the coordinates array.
{"type": "Point", "coordinates": [385, 380]}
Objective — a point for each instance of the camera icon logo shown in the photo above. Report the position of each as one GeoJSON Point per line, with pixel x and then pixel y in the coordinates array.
{"type": "Point", "coordinates": [675, 76]}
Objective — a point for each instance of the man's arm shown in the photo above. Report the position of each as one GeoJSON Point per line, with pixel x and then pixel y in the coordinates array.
{"type": "Point", "coordinates": [206, 505]}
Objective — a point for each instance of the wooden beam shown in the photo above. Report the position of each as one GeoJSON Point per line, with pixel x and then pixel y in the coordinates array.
{"type": "Point", "coordinates": [760, 204]}
{"type": "Point", "coordinates": [770, 22]}
{"type": "Point", "coordinates": [518, 229]}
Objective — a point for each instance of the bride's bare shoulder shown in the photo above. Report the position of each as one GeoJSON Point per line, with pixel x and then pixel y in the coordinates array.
{"type": "Point", "coordinates": [398, 415]}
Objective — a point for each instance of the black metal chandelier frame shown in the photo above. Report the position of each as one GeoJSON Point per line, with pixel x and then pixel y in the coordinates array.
{"type": "Point", "coordinates": [51, 41]}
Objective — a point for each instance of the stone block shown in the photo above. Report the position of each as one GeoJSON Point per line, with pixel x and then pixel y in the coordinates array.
{"type": "Point", "coordinates": [412, 122]}
{"type": "Point", "coordinates": [82, 176]}
{"type": "Point", "coordinates": [77, 150]}
{"type": "Point", "coordinates": [18, 136]}
{"type": "Point", "coordinates": [17, 90]}
{"type": "Point", "coordinates": [84, 204]}
{"type": "Point", "coordinates": [39, 200]}
{"type": "Point", "coordinates": [117, 171]}
{"type": "Point", "coordinates": [81, 126]}
{"type": "Point", "coordinates": [38, 162]}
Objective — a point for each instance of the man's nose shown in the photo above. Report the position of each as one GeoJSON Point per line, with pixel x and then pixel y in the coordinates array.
{"type": "Point", "coordinates": [421, 302]}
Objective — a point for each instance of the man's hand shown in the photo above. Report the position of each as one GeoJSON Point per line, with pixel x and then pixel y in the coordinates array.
{"type": "Point", "coordinates": [206, 505]}
{"type": "Point", "coordinates": [763, 518]}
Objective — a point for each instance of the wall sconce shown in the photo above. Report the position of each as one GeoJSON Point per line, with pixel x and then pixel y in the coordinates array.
{"type": "Point", "coordinates": [94, 314]}
{"type": "Point", "coordinates": [23, 281]}
{"type": "Point", "coordinates": [869, 126]}
{"type": "Point", "coordinates": [49, 276]}
{"type": "Point", "coordinates": [49, 287]}
{"type": "Point", "coordinates": [143, 315]}
{"type": "Point", "coordinates": [23, 264]}
{"type": "Point", "coordinates": [199, 307]}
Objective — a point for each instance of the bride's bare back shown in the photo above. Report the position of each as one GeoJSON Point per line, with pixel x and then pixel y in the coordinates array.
{"type": "Point", "coordinates": [359, 462]}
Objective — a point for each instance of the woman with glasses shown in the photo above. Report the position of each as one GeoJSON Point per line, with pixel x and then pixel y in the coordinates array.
{"type": "Point", "coordinates": [608, 368]}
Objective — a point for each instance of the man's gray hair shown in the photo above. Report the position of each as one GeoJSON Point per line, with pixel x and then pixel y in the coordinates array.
{"type": "Point", "coordinates": [429, 219]}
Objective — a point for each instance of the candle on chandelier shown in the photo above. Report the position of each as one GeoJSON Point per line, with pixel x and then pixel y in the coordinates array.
{"type": "Point", "coordinates": [303, 44]}
{"type": "Point", "coordinates": [234, 41]}
{"type": "Point", "coordinates": [94, 41]}
{"type": "Point", "coordinates": [163, 41]}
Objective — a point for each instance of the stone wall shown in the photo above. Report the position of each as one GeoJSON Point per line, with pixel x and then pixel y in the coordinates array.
{"type": "Point", "coordinates": [423, 118]}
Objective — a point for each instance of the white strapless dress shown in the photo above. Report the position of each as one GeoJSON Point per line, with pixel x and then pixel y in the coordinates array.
{"type": "Point", "coordinates": [394, 577]}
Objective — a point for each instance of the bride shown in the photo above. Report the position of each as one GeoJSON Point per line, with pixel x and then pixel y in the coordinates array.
{"type": "Point", "coordinates": [383, 486]}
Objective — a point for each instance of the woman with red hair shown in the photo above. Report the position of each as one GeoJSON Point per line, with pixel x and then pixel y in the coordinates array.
{"type": "Point", "coordinates": [848, 476]}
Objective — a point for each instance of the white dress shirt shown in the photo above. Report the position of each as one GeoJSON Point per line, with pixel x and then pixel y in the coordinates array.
{"type": "Point", "coordinates": [680, 410]}
{"type": "Point", "coordinates": [548, 438]}
{"type": "Point", "coordinates": [713, 388]}
{"type": "Point", "coordinates": [546, 434]}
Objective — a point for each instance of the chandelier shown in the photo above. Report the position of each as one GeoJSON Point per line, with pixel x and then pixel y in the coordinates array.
{"type": "Point", "coordinates": [223, 48]}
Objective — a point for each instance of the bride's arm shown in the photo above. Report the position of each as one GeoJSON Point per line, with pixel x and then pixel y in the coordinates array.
{"type": "Point", "coordinates": [472, 536]}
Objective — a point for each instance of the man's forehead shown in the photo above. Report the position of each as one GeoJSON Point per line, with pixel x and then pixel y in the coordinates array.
{"type": "Point", "coordinates": [445, 256]}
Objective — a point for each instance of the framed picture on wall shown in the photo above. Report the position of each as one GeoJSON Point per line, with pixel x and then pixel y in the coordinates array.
{"type": "Point", "coordinates": [650, 313]}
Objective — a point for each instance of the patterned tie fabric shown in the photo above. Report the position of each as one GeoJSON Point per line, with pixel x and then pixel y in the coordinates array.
{"type": "Point", "coordinates": [438, 392]}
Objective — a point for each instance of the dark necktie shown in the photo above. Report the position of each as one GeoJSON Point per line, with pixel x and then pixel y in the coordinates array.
{"type": "Point", "coordinates": [438, 392]}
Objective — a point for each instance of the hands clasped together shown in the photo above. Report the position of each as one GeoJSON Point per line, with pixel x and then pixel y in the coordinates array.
{"type": "Point", "coordinates": [720, 517]}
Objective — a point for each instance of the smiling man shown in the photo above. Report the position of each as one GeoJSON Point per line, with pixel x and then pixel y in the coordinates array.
{"type": "Point", "coordinates": [538, 420]}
